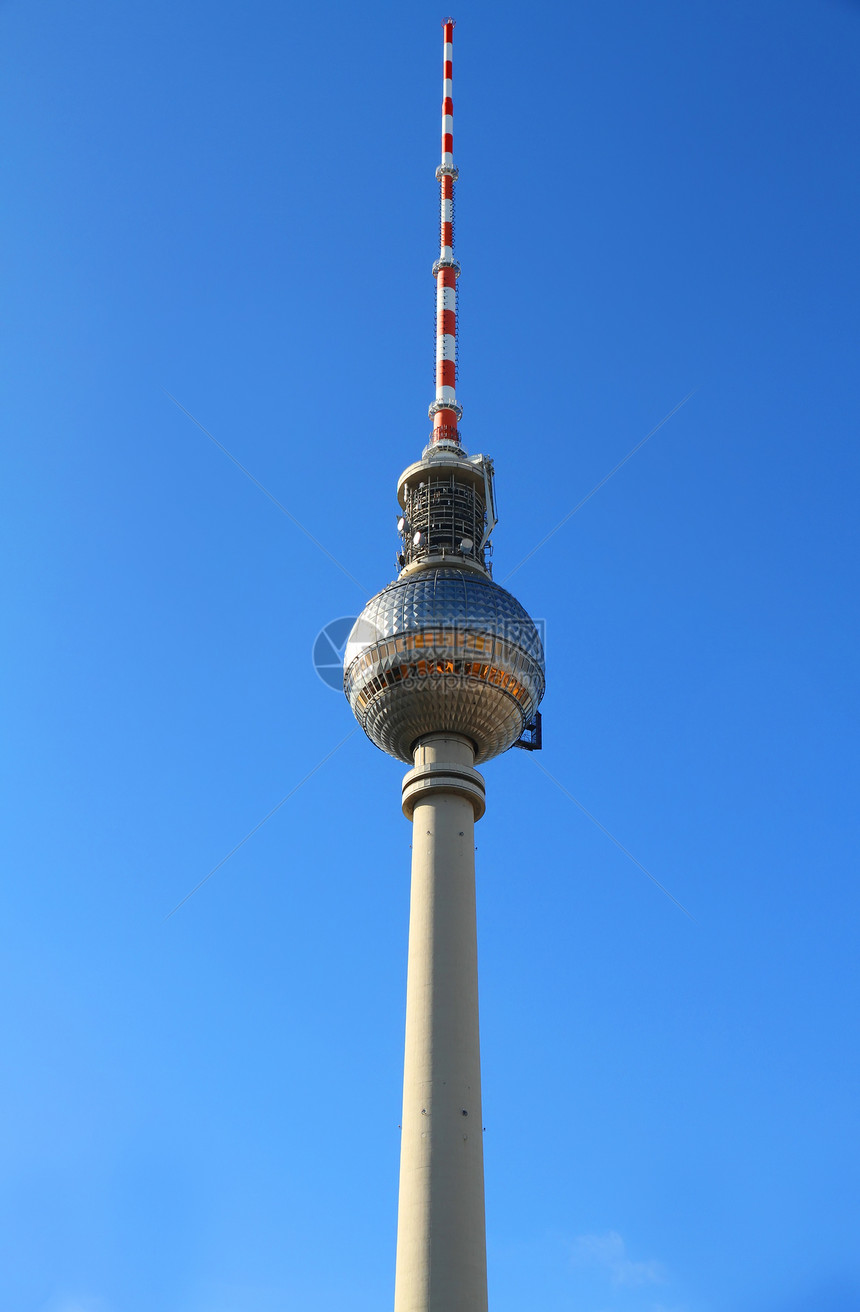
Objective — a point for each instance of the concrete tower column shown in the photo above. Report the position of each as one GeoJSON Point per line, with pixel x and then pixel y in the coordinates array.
{"type": "Point", "coordinates": [441, 1235]}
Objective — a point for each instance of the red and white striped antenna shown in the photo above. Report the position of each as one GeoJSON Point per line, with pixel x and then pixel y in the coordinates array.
{"type": "Point", "coordinates": [445, 410]}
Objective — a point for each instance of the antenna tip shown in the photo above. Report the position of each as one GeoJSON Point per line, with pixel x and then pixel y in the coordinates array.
{"type": "Point", "coordinates": [449, 22]}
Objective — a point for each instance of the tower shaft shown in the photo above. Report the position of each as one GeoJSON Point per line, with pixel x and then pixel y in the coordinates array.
{"type": "Point", "coordinates": [441, 1237]}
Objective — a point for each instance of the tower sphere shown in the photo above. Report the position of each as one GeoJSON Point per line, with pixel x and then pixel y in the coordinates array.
{"type": "Point", "coordinates": [444, 649]}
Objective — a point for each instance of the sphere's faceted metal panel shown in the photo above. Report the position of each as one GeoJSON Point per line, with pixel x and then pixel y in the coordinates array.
{"type": "Point", "coordinates": [444, 649]}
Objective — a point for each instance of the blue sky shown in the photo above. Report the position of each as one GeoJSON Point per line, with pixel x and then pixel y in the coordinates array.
{"type": "Point", "coordinates": [237, 205]}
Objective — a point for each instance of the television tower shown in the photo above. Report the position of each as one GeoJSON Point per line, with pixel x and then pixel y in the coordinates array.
{"type": "Point", "coordinates": [444, 670]}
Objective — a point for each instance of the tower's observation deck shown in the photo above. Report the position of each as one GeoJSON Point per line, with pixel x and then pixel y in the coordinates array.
{"type": "Point", "coordinates": [444, 650]}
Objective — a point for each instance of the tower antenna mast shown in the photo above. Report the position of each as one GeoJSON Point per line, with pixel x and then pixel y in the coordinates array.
{"type": "Point", "coordinates": [445, 410]}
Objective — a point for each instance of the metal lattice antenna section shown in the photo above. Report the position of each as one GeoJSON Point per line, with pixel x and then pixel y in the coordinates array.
{"type": "Point", "coordinates": [445, 410]}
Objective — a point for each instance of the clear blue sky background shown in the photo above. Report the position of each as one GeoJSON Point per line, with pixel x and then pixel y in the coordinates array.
{"type": "Point", "coordinates": [237, 204]}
